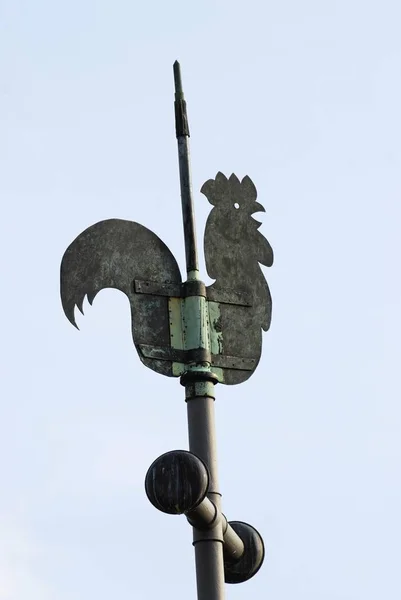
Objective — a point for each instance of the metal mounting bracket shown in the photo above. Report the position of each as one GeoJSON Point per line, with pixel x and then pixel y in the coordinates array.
{"type": "Point", "coordinates": [193, 310]}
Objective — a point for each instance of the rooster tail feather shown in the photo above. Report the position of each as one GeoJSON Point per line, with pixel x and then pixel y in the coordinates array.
{"type": "Point", "coordinates": [112, 254]}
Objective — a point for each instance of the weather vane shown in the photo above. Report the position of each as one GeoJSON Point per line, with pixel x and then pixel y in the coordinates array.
{"type": "Point", "coordinates": [203, 334]}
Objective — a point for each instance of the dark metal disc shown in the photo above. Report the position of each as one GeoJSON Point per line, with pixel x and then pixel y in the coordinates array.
{"type": "Point", "coordinates": [177, 482]}
{"type": "Point", "coordinates": [251, 560]}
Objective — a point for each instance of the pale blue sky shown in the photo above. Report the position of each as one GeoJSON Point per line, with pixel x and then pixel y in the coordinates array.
{"type": "Point", "coordinates": [304, 97]}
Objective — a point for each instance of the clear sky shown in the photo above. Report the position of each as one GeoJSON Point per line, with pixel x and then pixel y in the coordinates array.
{"type": "Point", "coordinates": [304, 96]}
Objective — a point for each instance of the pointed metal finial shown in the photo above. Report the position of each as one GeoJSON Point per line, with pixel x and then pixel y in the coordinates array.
{"type": "Point", "coordinates": [182, 134]}
{"type": "Point", "coordinates": [181, 118]}
{"type": "Point", "coordinates": [179, 94]}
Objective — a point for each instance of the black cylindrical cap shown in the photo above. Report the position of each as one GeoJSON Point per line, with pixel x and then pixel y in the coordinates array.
{"type": "Point", "coordinates": [252, 558]}
{"type": "Point", "coordinates": [177, 482]}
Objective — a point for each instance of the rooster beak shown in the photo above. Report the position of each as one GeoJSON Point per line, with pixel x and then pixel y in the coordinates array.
{"type": "Point", "coordinates": [257, 208]}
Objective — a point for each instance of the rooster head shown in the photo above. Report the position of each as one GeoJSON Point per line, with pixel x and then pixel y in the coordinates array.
{"type": "Point", "coordinates": [232, 195]}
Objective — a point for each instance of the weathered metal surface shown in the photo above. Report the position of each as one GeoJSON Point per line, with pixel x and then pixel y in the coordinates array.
{"type": "Point", "coordinates": [168, 320]}
{"type": "Point", "coordinates": [195, 323]}
{"type": "Point", "coordinates": [228, 296]}
{"type": "Point", "coordinates": [181, 119]}
{"type": "Point", "coordinates": [181, 356]}
{"type": "Point", "coordinates": [188, 214]}
{"type": "Point", "coordinates": [179, 291]}
{"type": "Point", "coordinates": [112, 254]}
{"type": "Point", "coordinates": [233, 250]}
{"type": "Point", "coordinates": [252, 558]}
{"type": "Point", "coordinates": [233, 363]}
{"type": "Point", "coordinates": [177, 482]}
{"type": "Point", "coordinates": [208, 542]}
{"type": "Point", "coordinates": [158, 289]}
{"type": "Point", "coordinates": [176, 324]}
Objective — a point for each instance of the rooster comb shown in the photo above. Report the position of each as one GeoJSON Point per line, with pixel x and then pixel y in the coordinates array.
{"type": "Point", "coordinates": [221, 189]}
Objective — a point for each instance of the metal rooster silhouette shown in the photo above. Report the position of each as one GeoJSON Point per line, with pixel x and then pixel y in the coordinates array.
{"type": "Point", "coordinates": [129, 257]}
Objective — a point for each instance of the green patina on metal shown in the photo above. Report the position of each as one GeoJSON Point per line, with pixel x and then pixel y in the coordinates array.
{"type": "Point", "coordinates": [195, 323]}
{"type": "Point", "coordinates": [200, 389]}
{"type": "Point", "coordinates": [216, 335]}
{"type": "Point", "coordinates": [176, 332]}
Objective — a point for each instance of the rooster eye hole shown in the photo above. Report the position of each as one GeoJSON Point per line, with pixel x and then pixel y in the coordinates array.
{"type": "Point", "coordinates": [236, 205]}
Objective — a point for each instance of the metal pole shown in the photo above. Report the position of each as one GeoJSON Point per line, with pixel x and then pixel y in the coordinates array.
{"type": "Point", "coordinates": [198, 380]}
{"type": "Point", "coordinates": [202, 442]}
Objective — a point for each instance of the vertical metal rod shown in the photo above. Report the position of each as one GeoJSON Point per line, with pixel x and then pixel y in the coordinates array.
{"type": "Point", "coordinates": [199, 381]}
{"type": "Point", "coordinates": [182, 133]}
{"type": "Point", "coordinates": [202, 442]}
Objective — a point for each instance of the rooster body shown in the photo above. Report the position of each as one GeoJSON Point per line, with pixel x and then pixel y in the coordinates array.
{"type": "Point", "coordinates": [129, 257]}
{"type": "Point", "coordinates": [233, 250]}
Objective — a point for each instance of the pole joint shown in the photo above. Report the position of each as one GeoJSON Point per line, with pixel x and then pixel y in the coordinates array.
{"type": "Point", "coordinates": [179, 482]}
